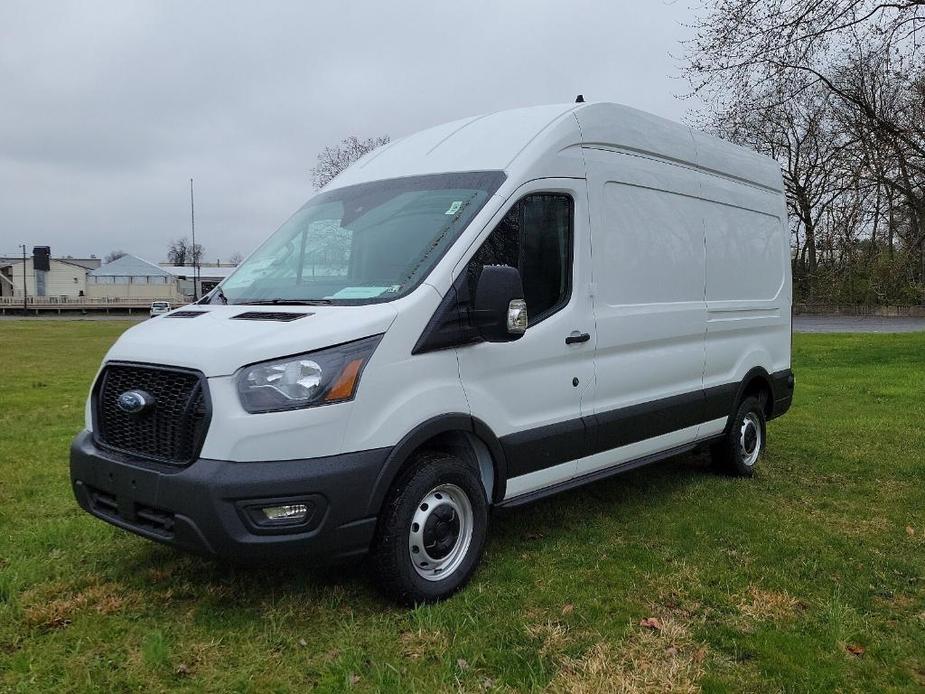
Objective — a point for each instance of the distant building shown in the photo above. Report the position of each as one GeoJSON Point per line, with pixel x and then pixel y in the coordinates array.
{"type": "Point", "coordinates": [65, 278]}
{"type": "Point", "coordinates": [131, 277]}
{"type": "Point", "coordinates": [209, 277]}
{"type": "Point", "coordinates": [128, 277]}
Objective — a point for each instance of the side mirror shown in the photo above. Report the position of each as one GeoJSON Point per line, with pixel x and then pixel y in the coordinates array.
{"type": "Point", "coordinates": [500, 312]}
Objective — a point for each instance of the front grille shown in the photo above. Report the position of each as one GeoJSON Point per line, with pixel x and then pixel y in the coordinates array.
{"type": "Point", "coordinates": [172, 431]}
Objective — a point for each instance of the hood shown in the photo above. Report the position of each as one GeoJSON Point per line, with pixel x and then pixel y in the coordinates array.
{"type": "Point", "coordinates": [219, 341]}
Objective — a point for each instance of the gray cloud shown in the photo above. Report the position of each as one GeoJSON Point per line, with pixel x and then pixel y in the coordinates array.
{"type": "Point", "coordinates": [108, 108]}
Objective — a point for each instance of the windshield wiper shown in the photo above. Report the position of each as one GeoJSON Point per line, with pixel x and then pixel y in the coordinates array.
{"type": "Point", "coordinates": [285, 302]}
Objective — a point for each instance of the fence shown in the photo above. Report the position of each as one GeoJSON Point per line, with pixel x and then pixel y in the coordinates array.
{"type": "Point", "coordinates": [36, 305]}
{"type": "Point", "coordinates": [55, 301]}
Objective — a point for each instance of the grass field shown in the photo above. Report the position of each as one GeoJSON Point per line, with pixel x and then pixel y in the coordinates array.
{"type": "Point", "coordinates": [809, 577]}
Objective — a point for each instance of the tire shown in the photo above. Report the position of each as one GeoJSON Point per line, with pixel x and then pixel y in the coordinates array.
{"type": "Point", "coordinates": [432, 530]}
{"type": "Point", "coordinates": [742, 445]}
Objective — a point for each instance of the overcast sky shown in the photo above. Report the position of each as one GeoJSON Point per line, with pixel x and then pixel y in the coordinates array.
{"type": "Point", "coordinates": [108, 108]}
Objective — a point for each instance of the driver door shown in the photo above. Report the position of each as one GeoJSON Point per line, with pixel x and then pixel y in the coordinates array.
{"type": "Point", "coordinates": [532, 392]}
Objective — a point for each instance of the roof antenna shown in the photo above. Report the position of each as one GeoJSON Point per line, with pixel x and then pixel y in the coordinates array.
{"type": "Point", "coordinates": [580, 99]}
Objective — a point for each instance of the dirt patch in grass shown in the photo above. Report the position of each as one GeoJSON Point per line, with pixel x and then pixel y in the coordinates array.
{"type": "Point", "coordinates": [651, 659]}
{"type": "Point", "coordinates": [657, 654]}
{"type": "Point", "coordinates": [553, 637]}
{"type": "Point", "coordinates": [59, 612]}
{"type": "Point", "coordinates": [424, 643]}
{"type": "Point", "coordinates": [768, 605]}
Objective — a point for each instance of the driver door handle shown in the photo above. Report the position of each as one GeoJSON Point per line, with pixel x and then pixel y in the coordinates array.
{"type": "Point", "coordinates": [577, 337]}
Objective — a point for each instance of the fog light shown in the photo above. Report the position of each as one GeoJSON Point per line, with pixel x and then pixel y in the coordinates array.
{"type": "Point", "coordinates": [280, 516]}
{"type": "Point", "coordinates": [289, 513]}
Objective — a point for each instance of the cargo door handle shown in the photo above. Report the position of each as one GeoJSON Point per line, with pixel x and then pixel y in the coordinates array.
{"type": "Point", "coordinates": [577, 337]}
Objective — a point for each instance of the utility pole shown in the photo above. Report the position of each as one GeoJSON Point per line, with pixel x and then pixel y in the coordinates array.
{"type": "Point", "coordinates": [25, 289]}
{"type": "Point", "coordinates": [192, 212]}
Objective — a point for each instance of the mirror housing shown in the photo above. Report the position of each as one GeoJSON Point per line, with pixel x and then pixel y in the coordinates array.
{"type": "Point", "coordinates": [499, 311]}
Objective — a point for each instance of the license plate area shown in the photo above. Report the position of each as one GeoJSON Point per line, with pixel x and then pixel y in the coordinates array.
{"type": "Point", "coordinates": [129, 512]}
{"type": "Point", "coordinates": [129, 496]}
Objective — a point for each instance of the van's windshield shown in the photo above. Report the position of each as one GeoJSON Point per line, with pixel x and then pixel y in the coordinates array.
{"type": "Point", "coordinates": [361, 244]}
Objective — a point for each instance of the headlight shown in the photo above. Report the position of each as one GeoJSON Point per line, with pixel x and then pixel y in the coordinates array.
{"type": "Point", "coordinates": [318, 378]}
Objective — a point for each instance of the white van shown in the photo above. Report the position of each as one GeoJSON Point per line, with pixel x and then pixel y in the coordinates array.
{"type": "Point", "coordinates": [475, 316]}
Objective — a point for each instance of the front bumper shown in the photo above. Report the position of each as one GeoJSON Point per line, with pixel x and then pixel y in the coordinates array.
{"type": "Point", "coordinates": [202, 507]}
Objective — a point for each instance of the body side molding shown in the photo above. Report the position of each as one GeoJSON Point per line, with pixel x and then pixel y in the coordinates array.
{"type": "Point", "coordinates": [582, 480]}
{"type": "Point", "coordinates": [561, 442]}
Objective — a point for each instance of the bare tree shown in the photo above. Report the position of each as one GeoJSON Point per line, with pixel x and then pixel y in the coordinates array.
{"type": "Point", "coordinates": [785, 47]}
{"type": "Point", "coordinates": [893, 92]}
{"type": "Point", "coordinates": [236, 258]}
{"type": "Point", "coordinates": [835, 91]}
{"type": "Point", "coordinates": [333, 160]}
{"type": "Point", "coordinates": [182, 252]}
{"type": "Point", "coordinates": [755, 41]}
{"type": "Point", "coordinates": [113, 255]}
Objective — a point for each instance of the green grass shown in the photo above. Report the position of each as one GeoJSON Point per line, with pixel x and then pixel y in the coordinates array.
{"type": "Point", "coordinates": [761, 584]}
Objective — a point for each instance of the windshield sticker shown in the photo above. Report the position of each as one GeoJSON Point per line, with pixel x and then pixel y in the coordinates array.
{"type": "Point", "coordinates": [454, 208]}
{"type": "Point", "coordinates": [358, 293]}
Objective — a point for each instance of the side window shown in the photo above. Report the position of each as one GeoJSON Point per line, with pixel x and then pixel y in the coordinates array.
{"type": "Point", "coordinates": [535, 236]}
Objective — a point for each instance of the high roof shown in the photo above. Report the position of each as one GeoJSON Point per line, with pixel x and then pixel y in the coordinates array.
{"type": "Point", "coordinates": [481, 143]}
{"type": "Point", "coordinates": [129, 265]}
{"type": "Point", "coordinates": [519, 140]}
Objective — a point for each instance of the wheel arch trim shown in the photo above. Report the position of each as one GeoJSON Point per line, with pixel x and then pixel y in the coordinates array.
{"type": "Point", "coordinates": [428, 430]}
{"type": "Point", "coordinates": [755, 374]}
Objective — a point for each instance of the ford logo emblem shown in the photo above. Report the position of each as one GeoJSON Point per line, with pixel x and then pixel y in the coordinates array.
{"type": "Point", "coordinates": [135, 401]}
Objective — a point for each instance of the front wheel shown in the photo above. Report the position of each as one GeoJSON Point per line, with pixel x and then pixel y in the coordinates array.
{"type": "Point", "coordinates": [741, 447]}
{"type": "Point", "coordinates": [432, 530]}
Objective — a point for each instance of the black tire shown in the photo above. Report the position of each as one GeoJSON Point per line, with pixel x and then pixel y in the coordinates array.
{"type": "Point", "coordinates": [740, 449]}
{"type": "Point", "coordinates": [391, 554]}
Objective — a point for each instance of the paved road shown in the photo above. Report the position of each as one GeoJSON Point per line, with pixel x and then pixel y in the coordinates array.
{"type": "Point", "coordinates": [856, 324]}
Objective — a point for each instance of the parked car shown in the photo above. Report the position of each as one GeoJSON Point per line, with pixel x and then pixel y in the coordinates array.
{"type": "Point", "coordinates": [474, 317]}
{"type": "Point", "coordinates": [159, 308]}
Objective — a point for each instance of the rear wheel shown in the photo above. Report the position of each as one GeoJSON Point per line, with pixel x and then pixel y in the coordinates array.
{"type": "Point", "coordinates": [432, 530]}
{"type": "Point", "coordinates": [741, 447]}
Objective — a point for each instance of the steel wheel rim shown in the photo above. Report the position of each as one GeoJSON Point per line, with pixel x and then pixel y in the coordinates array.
{"type": "Point", "coordinates": [750, 439]}
{"type": "Point", "coordinates": [440, 532]}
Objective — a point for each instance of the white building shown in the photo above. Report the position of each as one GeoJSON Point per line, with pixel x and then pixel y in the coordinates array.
{"type": "Point", "coordinates": [131, 277]}
{"type": "Point", "coordinates": [65, 278]}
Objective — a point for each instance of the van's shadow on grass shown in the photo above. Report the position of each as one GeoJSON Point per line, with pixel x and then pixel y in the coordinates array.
{"type": "Point", "coordinates": [187, 577]}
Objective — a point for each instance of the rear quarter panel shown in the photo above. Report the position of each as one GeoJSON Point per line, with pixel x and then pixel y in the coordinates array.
{"type": "Point", "coordinates": [748, 286]}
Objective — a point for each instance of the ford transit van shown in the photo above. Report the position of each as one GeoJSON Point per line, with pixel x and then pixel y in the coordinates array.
{"type": "Point", "coordinates": [472, 317]}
